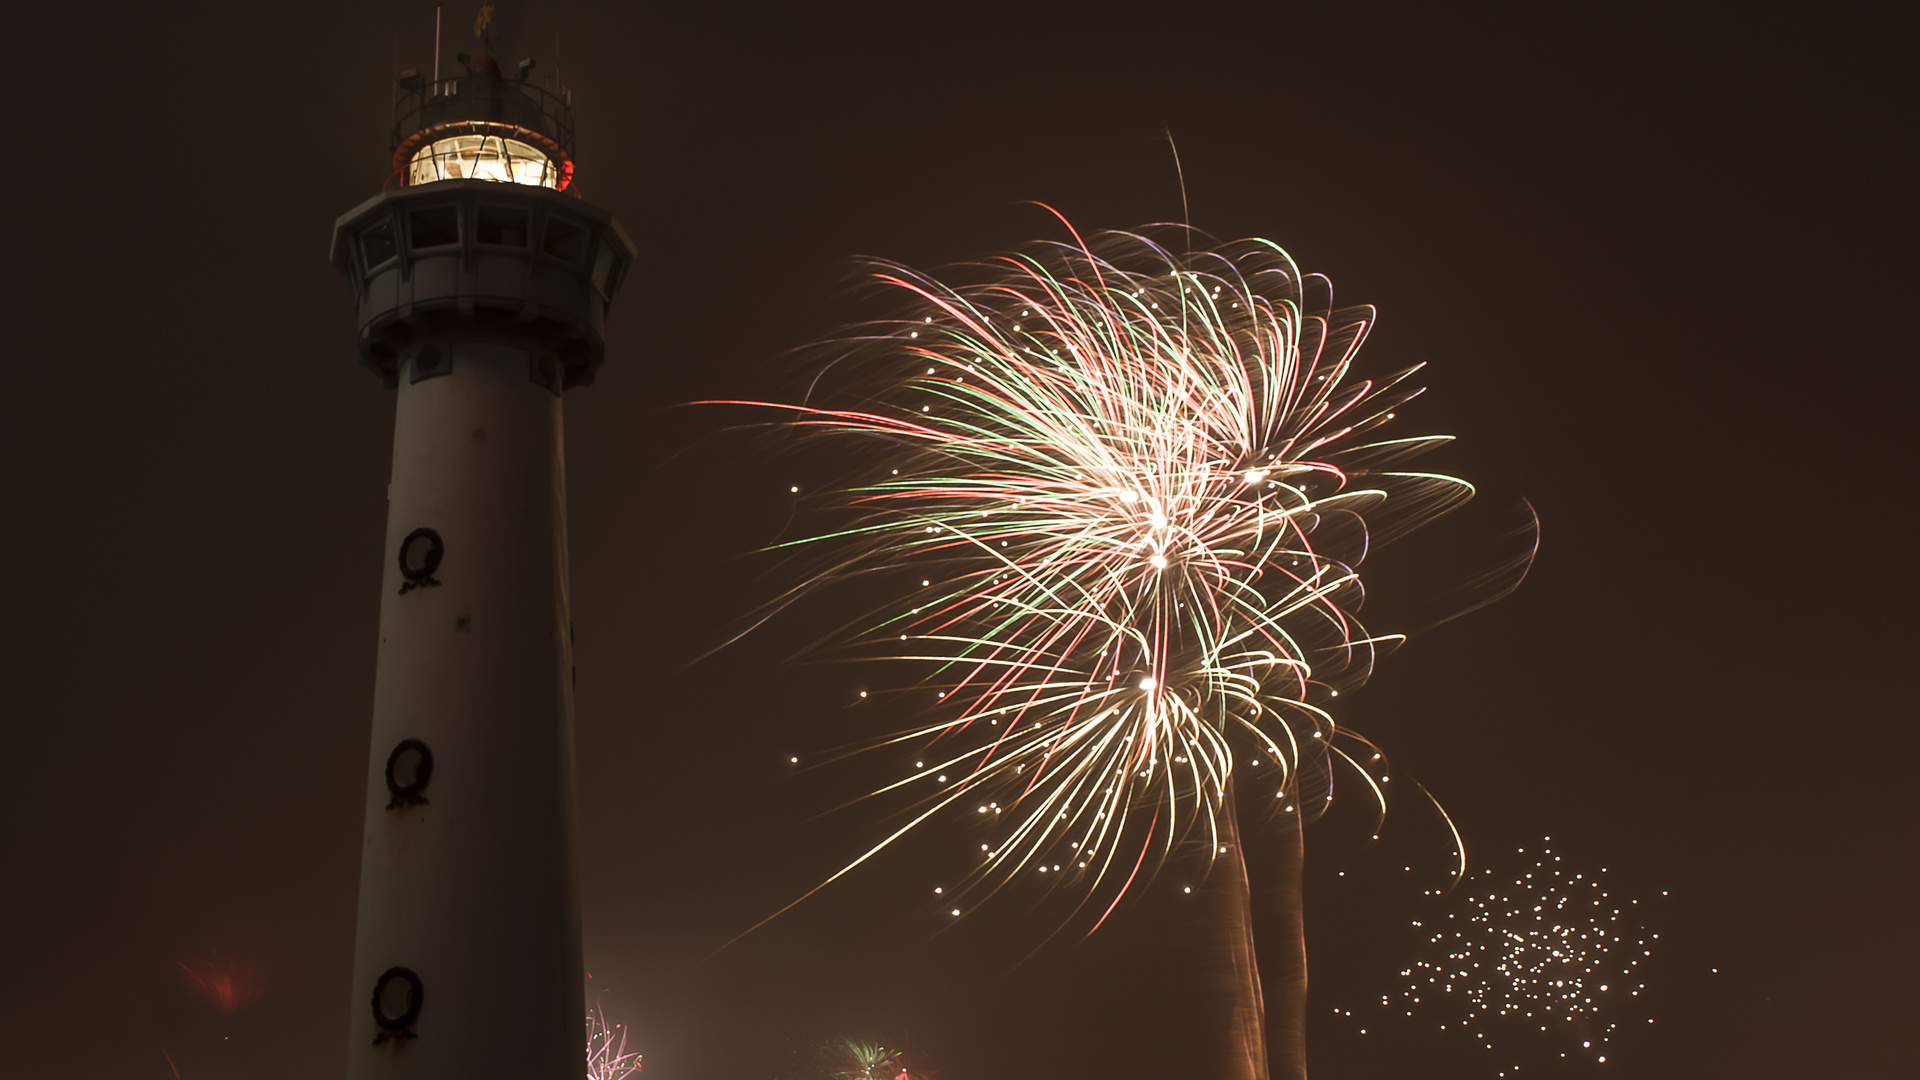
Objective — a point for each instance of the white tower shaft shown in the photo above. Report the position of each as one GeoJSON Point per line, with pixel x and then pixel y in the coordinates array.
{"type": "Point", "coordinates": [469, 884]}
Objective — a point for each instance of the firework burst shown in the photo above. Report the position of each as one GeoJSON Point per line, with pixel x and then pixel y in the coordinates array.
{"type": "Point", "coordinates": [1126, 492]}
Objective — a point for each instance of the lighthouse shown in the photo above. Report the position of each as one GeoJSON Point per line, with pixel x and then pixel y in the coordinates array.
{"type": "Point", "coordinates": [480, 282]}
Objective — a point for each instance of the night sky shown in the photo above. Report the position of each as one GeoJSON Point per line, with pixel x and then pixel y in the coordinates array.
{"type": "Point", "coordinates": [1658, 264]}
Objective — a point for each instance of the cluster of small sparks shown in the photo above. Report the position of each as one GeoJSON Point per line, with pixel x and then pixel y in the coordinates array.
{"type": "Point", "coordinates": [1127, 491]}
{"type": "Point", "coordinates": [607, 1054]}
{"type": "Point", "coordinates": [1551, 951]}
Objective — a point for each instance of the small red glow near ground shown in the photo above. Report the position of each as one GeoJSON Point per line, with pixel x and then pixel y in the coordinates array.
{"type": "Point", "coordinates": [229, 984]}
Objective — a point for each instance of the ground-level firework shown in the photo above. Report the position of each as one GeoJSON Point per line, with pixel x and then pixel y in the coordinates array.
{"type": "Point", "coordinates": [607, 1055]}
{"type": "Point", "coordinates": [1117, 493]}
{"type": "Point", "coordinates": [859, 1059]}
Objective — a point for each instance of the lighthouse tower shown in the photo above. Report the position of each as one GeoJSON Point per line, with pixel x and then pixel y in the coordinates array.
{"type": "Point", "coordinates": [480, 282]}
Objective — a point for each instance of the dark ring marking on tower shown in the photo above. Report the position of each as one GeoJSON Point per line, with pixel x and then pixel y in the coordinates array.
{"type": "Point", "coordinates": [420, 555]}
{"type": "Point", "coordinates": [409, 768]}
{"type": "Point", "coordinates": [397, 1024]}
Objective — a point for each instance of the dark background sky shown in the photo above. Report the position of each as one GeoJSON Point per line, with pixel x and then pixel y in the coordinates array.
{"type": "Point", "coordinates": [1659, 263]}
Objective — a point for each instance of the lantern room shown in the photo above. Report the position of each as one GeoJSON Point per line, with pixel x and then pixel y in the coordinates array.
{"type": "Point", "coordinates": [483, 125]}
